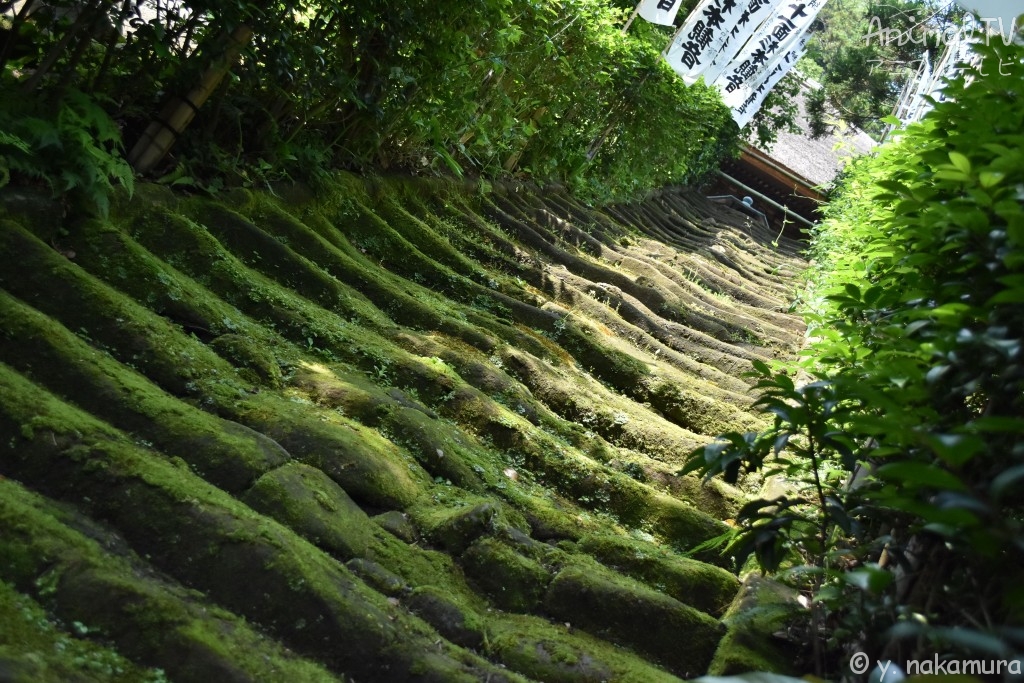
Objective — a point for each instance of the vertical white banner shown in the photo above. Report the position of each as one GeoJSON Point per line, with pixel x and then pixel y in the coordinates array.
{"type": "Point", "coordinates": [751, 63]}
{"type": "Point", "coordinates": [739, 37]}
{"type": "Point", "coordinates": [713, 33]}
{"type": "Point", "coordinates": [743, 112]}
{"type": "Point", "coordinates": [776, 37]}
{"type": "Point", "coordinates": [659, 11]}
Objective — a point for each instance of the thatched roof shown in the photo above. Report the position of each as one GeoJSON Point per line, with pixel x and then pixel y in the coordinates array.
{"type": "Point", "coordinates": [817, 160]}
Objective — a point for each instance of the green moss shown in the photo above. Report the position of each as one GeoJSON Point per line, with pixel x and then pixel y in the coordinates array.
{"type": "Point", "coordinates": [310, 503]}
{"type": "Point", "coordinates": [379, 578]}
{"type": "Point", "coordinates": [550, 517]}
{"type": "Point", "coordinates": [587, 482]}
{"type": "Point", "coordinates": [111, 255]}
{"type": "Point", "coordinates": [512, 581]}
{"type": "Point", "coordinates": [341, 328]}
{"type": "Point", "coordinates": [455, 527]}
{"type": "Point", "coordinates": [209, 540]}
{"type": "Point", "coordinates": [107, 595]}
{"type": "Point", "coordinates": [605, 604]}
{"type": "Point", "coordinates": [720, 500]}
{"type": "Point", "coordinates": [249, 355]}
{"type": "Point", "coordinates": [698, 413]}
{"type": "Point", "coordinates": [426, 238]}
{"type": "Point", "coordinates": [52, 284]}
{"type": "Point", "coordinates": [36, 649]}
{"type": "Point", "coordinates": [398, 525]}
{"type": "Point", "coordinates": [560, 653]}
{"type": "Point", "coordinates": [274, 259]}
{"type": "Point", "coordinates": [366, 465]}
{"type": "Point", "coordinates": [762, 607]}
{"type": "Point", "coordinates": [405, 301]}
{"type": "Point", "coordinates": [419, 567]}
{"type": "Point", "coordinates": [377, 247]}
{"type": "Point", "coordinates": [616, 418]}
{"type": "Point", "coordinates": [619, 369]}
{"type": "Point", "coordinates": [389, 342]}
{"type": "Point", "coordinates": [684, 527]}
{"type": "Point", "coordinates": [431, 585]}
{"type": "Point", "coordinates": [487, 373]}
{"type": "Point", "coordinates": [222, 452]}
{"type": "Point", "coordinates": [436, 446]}
{"type": "Point", "coordinates": [452, 619]}
{"type": "Point", "coordinates": [706, 587]}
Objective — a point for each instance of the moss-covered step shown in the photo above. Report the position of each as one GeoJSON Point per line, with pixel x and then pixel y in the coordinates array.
{"type": "Point", "coordinates": [706, 587]}
{"type": "Point", "coordinates": [404, 429]}
{"type": "Point", "coordinates": [35, 648]}
{"type": "Point", "coordinates": [606, 604]}
{"type": "Point", "coordinates": [208, 540]}
{"type": "Point", "coordinates": [101, 592]}
{"type": "Point", "coordinates": [560, 653]}
{"type": "Point", "coordinates": [762, 608]}
{"type": "Point", "coordinates": [361, 461]}
{"type": "Point", "coordinates": [51, 283]}
{"type": "Point", "coordinates": [222, 452]}
{"type": "Point", "coordinates": [560, 466]}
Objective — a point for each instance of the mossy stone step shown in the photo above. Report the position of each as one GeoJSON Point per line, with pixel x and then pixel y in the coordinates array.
{"type": "Point", "coordinates": [601, 602]}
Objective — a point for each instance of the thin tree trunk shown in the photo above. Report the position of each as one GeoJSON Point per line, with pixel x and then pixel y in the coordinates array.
{"type": "Point", "coordinates": [84, 41]}
{"type": "Point", "coordinates": [108, 50]}
{"type": "Point", "coordinates": [19, 21]}
{"type": "Point", "coordinates": [513, 161]}
{"type": "Point", "coordinates": [185, 34]}
{"type": "Point", "coordinates": [84, 18]}
{"type": "Point", "coordinates": [599, 141]}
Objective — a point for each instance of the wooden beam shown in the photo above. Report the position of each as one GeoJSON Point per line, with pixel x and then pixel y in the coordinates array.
{"type": "Point", "coordinates": [781, 174]}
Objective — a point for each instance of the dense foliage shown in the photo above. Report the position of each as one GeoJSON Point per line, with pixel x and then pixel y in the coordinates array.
{"type": "Point", "coordinates": [903, 456]}
{"type": "Point", "coordinates": [552, 91]}
{"type": "Point", "coordinates": [865, 52]}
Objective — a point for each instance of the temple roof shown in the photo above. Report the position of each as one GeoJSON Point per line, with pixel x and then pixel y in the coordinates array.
{"type": "Point", "coordinates": [817, 160]}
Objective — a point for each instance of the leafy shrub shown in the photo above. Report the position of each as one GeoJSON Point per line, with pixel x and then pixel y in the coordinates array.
{"type": "Point", "coordinates": [905, 453]}
{"type": "Point", "coordinates": [76, 149]}
{"type": "Point", "coordinates": [550, 91]}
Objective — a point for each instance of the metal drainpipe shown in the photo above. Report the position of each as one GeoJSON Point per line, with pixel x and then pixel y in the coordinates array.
{"type": "Point", "coordinates": [767, 200]}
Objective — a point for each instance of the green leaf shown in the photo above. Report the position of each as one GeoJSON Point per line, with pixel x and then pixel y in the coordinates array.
{"type": "Point", "coordinates": [1006, 425]}
{"type": "Point", "coordinates": [990, 178]}
{"type": "Point", "coordinates": [1006, 481]}
{"type": "Point", "coordinates": [962, 163]}
{"type": "Point", "coordinates": [12, 140]}
{"type": "Point", "coordinates": [1008, 296]}
{"type": "Point", "coordinates": [915, 326]}
{"type": "Point", "coordinates": [916, 474]}
{"type": "Point", "coordinates": [951, 174]}
{"type": "Point", "coordinates": [761, 367]}
{"type": "Point", "coordinates": [972, 641]}
{"type": "Point", "coordinates": [870, 577]}
{"type": "Point", "coordinates": [895, 187]}
{"type": "Point", "coordinates": [43, 133]}
{"type": "Point", "coordinates": [950, 310]}
{"type": "Point", "coordinates": [955, 449]}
